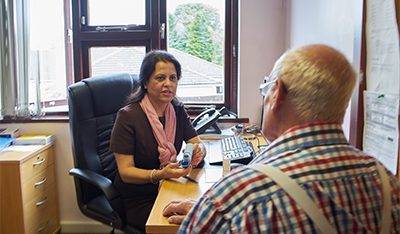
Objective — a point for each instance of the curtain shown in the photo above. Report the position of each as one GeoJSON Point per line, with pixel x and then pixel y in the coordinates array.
{"type": "Point", "coordinates": [14, 62]}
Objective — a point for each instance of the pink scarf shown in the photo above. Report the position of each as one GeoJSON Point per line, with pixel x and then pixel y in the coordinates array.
{"type": "Point", "coordinates": [165, 138]}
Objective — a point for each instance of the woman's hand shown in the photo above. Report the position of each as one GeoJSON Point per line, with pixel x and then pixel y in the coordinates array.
{"type": "Point", "coordinates": [199, 152]}
{"type": "Point", "coordinates": [177, 210]}
{"type": "Point", "coordinates": [172, 170]}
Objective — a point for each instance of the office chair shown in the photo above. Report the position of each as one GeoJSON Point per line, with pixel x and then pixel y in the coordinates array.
{"type": "Point", "coordinates": [93, 105]}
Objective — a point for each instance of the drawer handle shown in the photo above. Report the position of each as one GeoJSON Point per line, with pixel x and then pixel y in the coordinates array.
{"type": "Point", "coordinates": [44, 227]}
{"type": "Point", "coordinates": [39, 162]}
{"type": "Point", "coordinates": [40, 182]}
{"type": "Point", "coordinates": [41, 202]}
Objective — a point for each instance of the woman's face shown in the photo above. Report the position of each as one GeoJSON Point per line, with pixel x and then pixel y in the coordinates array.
{"type": "Point", "coordinates": [161, 87]}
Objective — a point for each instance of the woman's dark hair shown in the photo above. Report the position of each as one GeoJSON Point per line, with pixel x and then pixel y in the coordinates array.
{"type": "Point", "coordinates": [147, 68]}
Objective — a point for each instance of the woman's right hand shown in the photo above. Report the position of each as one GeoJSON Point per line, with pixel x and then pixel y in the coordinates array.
{"type": "Point", "coordinates": [172, 170]}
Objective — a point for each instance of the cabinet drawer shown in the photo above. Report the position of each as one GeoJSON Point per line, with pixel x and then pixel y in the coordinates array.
{"type": "Point", "coordinates": [46, 224]}
{"type": "Point", "coordinates": [49, 226]}
{"type": "Point", "coordinates": [36, 164]}
{"type": "Point", "coordinates": [36, 186]}
{"type": "Point", "coordinates": [40, 211]}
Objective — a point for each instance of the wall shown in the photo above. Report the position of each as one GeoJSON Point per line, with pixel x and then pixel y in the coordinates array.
{"type": "Point", "coordinates": [269, 27]}
{"type": "Point", "coordinates": [335, 23]}
{"type": "Point", "coordinates": [262, 29]}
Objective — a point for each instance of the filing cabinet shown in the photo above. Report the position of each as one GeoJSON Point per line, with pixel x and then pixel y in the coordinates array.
{"type": "Point", "coordinates": [28, 191]}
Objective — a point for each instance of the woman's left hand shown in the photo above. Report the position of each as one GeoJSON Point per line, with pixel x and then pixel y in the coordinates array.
{"type": "Point", "coordinates": [173, 170]}
{"type": "Point", "coordinates": [199, 152]}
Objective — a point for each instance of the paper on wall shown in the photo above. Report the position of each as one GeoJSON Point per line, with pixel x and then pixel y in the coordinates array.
{"type": "Point", "coordinates": [383, 56]}
{"type": "Point", "coordinates": [381, 128]}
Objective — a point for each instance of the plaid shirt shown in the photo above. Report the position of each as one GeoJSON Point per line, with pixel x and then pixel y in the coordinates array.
{"type": "Point", "coordinates": [341, 180]}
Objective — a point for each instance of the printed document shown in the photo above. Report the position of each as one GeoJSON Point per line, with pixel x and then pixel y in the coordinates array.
{"type": "Point", "coordinates": [381, 128]}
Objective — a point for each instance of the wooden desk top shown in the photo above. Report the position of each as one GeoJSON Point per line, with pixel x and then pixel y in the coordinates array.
{"type": "Point", "coordinates": [178, 189]}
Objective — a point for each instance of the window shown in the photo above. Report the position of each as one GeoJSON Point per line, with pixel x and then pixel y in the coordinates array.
{"type": "Point", "coordinates": [196, 37]}
{"type": "Point", "coordinates": [114, 36]}
{"type": "Point", "coordinates": [99, 36]}
{"type": "Point", "coordinates": [49, 53]}
{"type": "Point", "coordinates": [85, 38]}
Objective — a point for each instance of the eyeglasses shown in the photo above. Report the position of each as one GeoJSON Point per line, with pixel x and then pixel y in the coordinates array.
{"type": "Point", "coordinates": [265, 87]}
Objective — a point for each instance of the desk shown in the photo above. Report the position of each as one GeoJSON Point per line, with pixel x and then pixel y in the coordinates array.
{"type": "Point", "coordinates": [179, 189]}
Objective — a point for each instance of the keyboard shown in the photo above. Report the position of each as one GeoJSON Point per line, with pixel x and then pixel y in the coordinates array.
{"type": "Point", "coordinates": [234, 148]}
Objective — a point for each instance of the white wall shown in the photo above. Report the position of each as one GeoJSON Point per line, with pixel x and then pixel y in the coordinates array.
{"type": "Point", "coordinates": [331, 22]}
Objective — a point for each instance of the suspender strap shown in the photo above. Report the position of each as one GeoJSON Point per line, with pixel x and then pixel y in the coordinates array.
{"type": "Point", "coordinates": [298, 194]}
{"type": "Point", "coordinates": [387, 201]}
{"type": "Point", "coordinates": [304, 201]}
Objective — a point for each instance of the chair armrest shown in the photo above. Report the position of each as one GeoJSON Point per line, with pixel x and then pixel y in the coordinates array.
{"type": "Point", "coordinates": [101, 182]}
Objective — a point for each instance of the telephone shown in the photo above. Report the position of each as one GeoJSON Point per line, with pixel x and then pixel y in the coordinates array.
{"type": "Point", "coordinates": [208, 119]}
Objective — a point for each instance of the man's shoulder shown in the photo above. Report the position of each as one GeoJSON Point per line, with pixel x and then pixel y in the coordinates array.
{"type": "Point", "coordinates": [245, 183]}
{"type": "Point", "coordinates": [240, 189]}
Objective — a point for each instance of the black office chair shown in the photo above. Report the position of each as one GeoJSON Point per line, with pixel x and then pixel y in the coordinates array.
{"type": "Point", "coordinates": [93, 105]}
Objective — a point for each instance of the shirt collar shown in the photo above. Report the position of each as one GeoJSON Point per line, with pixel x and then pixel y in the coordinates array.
{"type": "Point", "coordinates": [304, 136]}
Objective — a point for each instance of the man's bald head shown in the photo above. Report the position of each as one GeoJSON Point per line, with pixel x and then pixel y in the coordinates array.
{"type": "Point", "coordinates": [319, 82]}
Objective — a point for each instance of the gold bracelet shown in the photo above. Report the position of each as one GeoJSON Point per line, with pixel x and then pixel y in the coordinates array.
{"type": "Point", "coordinates": [152, 174]}
{"type": "Point", "coordinates": [156, 179]}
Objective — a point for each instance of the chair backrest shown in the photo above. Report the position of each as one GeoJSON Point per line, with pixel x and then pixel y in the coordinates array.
{"type": "Point", "coordinates": [93, 105]}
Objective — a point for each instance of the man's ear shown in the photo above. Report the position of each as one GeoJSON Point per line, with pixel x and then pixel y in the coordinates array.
{"type": "Point", "coordinates": [279, 95]}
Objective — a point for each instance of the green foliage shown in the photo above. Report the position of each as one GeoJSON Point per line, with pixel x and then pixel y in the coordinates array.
{"type": "Point", "coordinates": [196, 29]}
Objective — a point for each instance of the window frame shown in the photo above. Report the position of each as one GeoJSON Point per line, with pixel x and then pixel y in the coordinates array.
{"type": "Point", "coordinates": [148, 35]}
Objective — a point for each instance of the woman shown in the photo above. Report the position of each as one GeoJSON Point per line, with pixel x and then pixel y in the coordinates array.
{"type": "Point", "coordinates": [148, 134]}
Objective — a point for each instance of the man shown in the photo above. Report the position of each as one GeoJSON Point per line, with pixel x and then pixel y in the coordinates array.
{"type": "Point", "coordinates": [305, 99]}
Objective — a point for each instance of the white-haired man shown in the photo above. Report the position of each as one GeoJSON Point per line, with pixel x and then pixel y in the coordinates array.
{"type": "Point", "coordinates": [305, 99]}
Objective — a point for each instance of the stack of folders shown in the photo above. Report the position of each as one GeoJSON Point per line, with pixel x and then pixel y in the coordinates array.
{"type": "Point", "coordinates": [7, 136]}
{"type": "Point", "coordinates": [9, 132]}
{"type": "Point", "coordinates": [5, 142]}
{"type": "Point", "coordinates": [34, 139]}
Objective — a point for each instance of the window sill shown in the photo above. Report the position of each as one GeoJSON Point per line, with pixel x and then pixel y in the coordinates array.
{"type": "Point", "coordinates": [65, 118]}
{"type": "Point", "coordinates": [46, 118]}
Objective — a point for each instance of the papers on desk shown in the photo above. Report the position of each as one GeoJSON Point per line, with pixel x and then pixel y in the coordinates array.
{"type": "Point", "coordinates": [225, 132]}
{"type": "Point", "coordinates": [22, 148]}
{"type": "Point", "coordinates": [213, 174]}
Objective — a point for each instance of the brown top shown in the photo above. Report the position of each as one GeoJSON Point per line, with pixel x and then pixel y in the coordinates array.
{"type": "Point", "coordinates": [132, 134]}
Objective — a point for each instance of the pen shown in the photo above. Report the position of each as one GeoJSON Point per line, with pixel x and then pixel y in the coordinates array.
{"type": "Point", "coordinates": [190, 179]}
